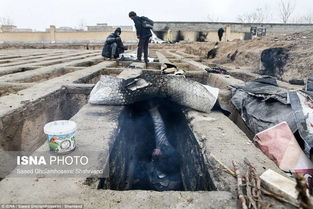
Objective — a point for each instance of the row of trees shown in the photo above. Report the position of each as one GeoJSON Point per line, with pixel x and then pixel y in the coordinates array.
{"type": "Point", "coordinates": [6, 21]}
{"type": "Point", "coordinates": [258, 16]}
{"type": "Point", "coordinates": [286, 9]}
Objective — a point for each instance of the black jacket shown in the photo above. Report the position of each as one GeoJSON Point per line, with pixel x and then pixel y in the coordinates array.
{"type": "Point", "coordinates": [111, 38]}
{"type": "Point", "coordinates": [220, 31]}
{"type": "Point", "coordinates": [107, 49]}
{"type": "Point", "coordinates": [140, 30]}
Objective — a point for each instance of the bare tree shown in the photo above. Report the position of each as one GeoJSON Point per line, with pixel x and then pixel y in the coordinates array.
{"type": "Point", "coordinates": [257, 16]}
{"type": "Point", "coordinates": [6, 21]}
{"type": "Point", "coordinates": [305, 19]}
{"type": "Point", "coordinates": [286, 9]}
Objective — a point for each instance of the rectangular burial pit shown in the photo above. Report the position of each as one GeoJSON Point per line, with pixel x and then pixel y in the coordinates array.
{"type": "Point", "coordinates": [31, 118]}
{"type": "Point", "coordinates": [175, 60]}
{"type": "Point", "coordinates": [50, 75]}
{"type": "Point", "coordinates": [95, 77]}
{"type": "Point", "coordinates": [147, 155]}
{"type": "Point", "coordinates": [18, 70]}
{"type": "Point", "coordinates": [44, 76]}
{"type": "Point", "coordinates": [154, 65]}
{"type": "Point", "coordinates": [7, 90]}
{"type": "Point", "coordinates": [12, 88]}
{"type": "Point", "coordinates": [150, 65]}
{"type": "Point", "coordinates": [88, 63]}
{"type": "Point", "coordinates": [186, 67]}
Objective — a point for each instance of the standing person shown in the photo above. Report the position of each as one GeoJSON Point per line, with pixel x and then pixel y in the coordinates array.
{"type": "Point", "coordinates": [113, 45]}
{"type": "Point", "coordinates": [143, 30]}
{"type": "Point", "coordinates": [220, 33]}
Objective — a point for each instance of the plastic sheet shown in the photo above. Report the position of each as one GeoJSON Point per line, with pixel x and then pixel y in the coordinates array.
{"type": "Point", "coordinates": [117, 91]}
{"type": "Point", "coordinates": [262, 104]}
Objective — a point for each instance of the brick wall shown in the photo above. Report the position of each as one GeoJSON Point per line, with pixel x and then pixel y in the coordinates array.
{"type": "Point", "coordinates": [235, 27]}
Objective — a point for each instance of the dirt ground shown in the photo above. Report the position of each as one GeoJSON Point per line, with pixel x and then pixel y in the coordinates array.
{"type": "Point", "coordinates": [296, 59]}
{"type": "Point", "coordinates": [41, 85]}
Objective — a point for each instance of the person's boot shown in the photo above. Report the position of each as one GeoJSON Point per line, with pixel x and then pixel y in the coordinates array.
{"type": "Point", "coordinates": [146, 58]}
{"type": "Point", "coordinates": [113, 59]}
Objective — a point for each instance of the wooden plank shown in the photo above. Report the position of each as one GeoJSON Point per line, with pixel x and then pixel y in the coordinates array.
{"type": "Point", "coordinates": [279, 184]}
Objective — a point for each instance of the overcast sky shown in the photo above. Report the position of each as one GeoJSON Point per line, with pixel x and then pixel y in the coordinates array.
{"type": "Point", "coordinates": [39, 14]}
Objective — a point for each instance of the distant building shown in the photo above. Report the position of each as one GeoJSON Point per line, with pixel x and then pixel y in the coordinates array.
{"type": "Point", "coordinates": [22, 30]}
{"type": "Point", "coordinates": [13, 28]}
{"type": "Point", "coordinates": [99, 27]}
{"type": "Point", "coordinates": [107, 28]}
{"type": "Point", "coordinates": [8, 28]}
{"type": "Point", "coordinates": [64, 29]}
{"type": "Point", "coordinates": [124, 28]}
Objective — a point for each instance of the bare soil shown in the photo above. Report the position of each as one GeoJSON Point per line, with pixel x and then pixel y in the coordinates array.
{"type": "Point", "coordinates": [246, 55]}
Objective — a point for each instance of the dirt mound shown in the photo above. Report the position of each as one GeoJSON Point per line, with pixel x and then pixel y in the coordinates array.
{"type": "Point", "coordinates": [286, 57]}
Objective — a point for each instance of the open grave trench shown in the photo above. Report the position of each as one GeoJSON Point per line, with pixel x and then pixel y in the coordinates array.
{"type": "Point", "coordinates": [38, 86]}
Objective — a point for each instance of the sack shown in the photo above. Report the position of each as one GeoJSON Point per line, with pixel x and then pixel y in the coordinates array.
{"type": "Point", "coordinates": [147, 23]}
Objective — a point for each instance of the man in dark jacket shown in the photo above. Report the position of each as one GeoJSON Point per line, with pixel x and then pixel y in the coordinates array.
{"type": "Point", "coordinates": [143, 30]}
{"type": "Point", "coordinates": [113, 45]}
{"type": "Point", "coordinates": [220, 33]}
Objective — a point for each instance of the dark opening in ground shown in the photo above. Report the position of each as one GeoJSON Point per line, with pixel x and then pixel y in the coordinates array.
{"type": "Point", "coordinates": [88, 63]}
{"type": "Point", "coordinates": [274, 60]}
{"type": "Point", "coordinates": [137, 163]}
{"type": "Point", "coordinates": [179, 36]}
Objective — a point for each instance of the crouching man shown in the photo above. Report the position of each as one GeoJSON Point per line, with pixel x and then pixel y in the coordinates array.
{"type": "Point", "coordinates": [113, 45]}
